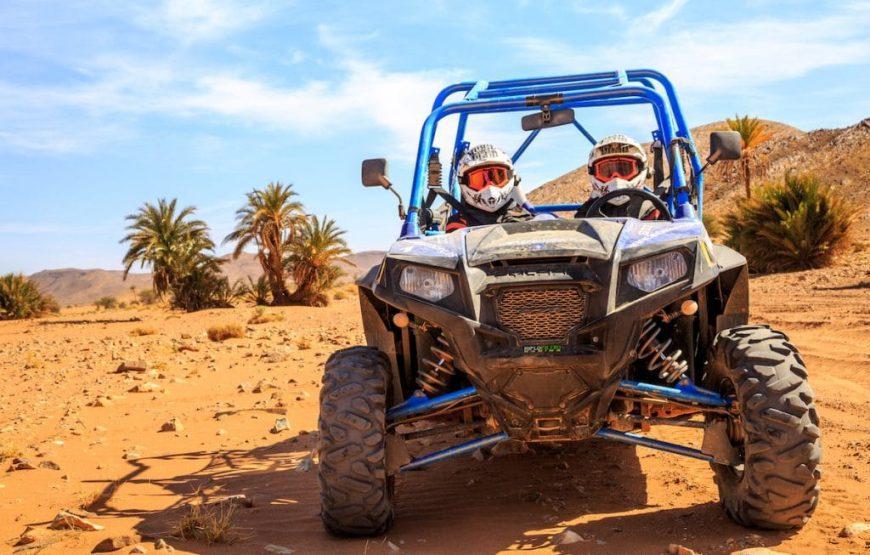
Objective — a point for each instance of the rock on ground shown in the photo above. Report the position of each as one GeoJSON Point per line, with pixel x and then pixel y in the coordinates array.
{"type": "Point", "coordinates": [854, 530]}
{"type": "Point", "coordinates": [67, 520]}
{"type": "Point", "coordinates": [115, 543]}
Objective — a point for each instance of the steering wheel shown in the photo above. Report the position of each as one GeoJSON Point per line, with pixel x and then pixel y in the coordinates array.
{"type": "Point", "coordinates": [636, 199]}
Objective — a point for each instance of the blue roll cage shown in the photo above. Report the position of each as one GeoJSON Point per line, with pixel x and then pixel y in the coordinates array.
{"type": "Point", "coordinates": [612, 88]}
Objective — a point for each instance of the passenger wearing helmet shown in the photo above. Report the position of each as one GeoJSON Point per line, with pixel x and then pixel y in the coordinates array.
{"type": "Point", "coordinates": [617, 162]}
{"type": "Point", "coordinates": [490, 189]}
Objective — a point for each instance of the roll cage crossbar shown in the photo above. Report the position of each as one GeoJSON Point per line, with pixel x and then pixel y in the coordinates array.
{"type": "Point", "coordinates": [613, 88]}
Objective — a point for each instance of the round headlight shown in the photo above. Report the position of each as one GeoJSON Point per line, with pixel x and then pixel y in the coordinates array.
{"type": "Point", "coordinates": [432, 285]}
{"type": "Point", "coordinates": [657, 271]}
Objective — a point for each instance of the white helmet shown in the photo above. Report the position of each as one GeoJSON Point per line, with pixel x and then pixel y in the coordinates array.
{"type": "Point", "coordinates": [492, 186]}
{"type": "Point", "coordinates": [611, 166]}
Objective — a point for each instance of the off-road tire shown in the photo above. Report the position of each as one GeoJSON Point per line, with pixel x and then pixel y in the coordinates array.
{"type": "Point", "coordinates": [355, 491]}
{"type": "Point", "coordinates": [778, 487]}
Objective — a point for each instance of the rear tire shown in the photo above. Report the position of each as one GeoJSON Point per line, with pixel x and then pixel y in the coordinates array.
{"type": "Point", "coordinates": [355, 491]}
{"type": "Point", "coordinates": [777, 434]}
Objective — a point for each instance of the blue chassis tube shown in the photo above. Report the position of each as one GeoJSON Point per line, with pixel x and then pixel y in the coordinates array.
{"type": "Point", "coordinates": [685, 393]}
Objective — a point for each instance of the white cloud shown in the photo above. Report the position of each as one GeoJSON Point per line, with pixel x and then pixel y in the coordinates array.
{"type": "Point", "coordinates": [738, 57]}
{"type": "Point", "coordinates": [654, 19]}
{"type": "Point", "coordinates": [360, 93]}
{"type": "Point", "coordinates": [195, 20]}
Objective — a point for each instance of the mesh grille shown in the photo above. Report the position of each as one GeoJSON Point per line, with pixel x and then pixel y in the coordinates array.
{"type": "Point", "coordinates": [541, 313]}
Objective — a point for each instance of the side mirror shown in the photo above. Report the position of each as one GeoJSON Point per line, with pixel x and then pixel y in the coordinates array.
{"type": "Point", "coordinates": [724, 145]}
{"type": "Point", "coordinates": [548, 118]}
{"type": "Point", "coordinates": [374, 173]}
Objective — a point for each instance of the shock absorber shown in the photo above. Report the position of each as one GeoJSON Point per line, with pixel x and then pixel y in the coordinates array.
{"type": "Point", "coordinates": [435, 375]}
{"type": "Point", "coordinates": [660, 357]}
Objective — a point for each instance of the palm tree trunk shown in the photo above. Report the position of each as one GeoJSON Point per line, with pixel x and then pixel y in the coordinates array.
{"type": "Point", "coordinates": [747, 176]}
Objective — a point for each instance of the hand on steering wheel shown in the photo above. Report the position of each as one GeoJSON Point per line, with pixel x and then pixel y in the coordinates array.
{"type": "Point", "coordinates": [635, 204]}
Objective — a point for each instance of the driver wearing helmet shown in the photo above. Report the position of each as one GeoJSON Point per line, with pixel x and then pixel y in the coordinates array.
{"type": "Point", "coordinates": [617, 162]}
{"type": "Point", "coordinates": [490, 189]}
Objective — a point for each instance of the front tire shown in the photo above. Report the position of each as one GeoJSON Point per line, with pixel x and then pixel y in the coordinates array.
{"type": "Point", "coordinates": [355, 491]}
{"type": "Point", "coordinates": [777, 434]}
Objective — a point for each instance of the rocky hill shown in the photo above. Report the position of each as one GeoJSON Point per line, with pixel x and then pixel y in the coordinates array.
{"type": "Point", "coordinates": [839, 156]}
{"type": "Point", "coordinates": [73, 286]}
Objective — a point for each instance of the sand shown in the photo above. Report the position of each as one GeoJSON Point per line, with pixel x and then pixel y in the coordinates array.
{"type": "Point", "coordinates": [136, 479]}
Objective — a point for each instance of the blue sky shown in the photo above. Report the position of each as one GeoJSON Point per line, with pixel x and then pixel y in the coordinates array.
{"type": "Point", "coordinates": [107, 104]}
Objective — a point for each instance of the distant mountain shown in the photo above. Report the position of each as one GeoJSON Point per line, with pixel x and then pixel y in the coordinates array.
{"type": "Point", "coordinates": [75, 286]}
{"type": "Point", "coordinates": [840, 157]}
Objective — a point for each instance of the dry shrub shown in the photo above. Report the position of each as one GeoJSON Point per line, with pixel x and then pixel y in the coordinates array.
{"type": "Point", "coordinates": [226, 331]}
{"type": "Point", "coordinates": [339, 296]}
{"type": "Point", "coordinates": [303, 343]}
{"type": "Point", "coordinates": [798, 224]}
{"type": "Point", "coordinates": [106, 303]}
{"type": "Point", "coordinates": [139, 332]}
{"type": "Point", "coordinates": [212, 523]}
{"type": "Point", "coordinates": [712, 225]}
{"type": "Point", "coordinates": [262, 317]}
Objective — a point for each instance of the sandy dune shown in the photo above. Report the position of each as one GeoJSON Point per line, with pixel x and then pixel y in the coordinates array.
{"type": "Point", "coordinates": [137, 479]}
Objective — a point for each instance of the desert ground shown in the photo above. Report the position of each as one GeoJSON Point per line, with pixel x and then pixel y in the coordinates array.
{"type": "Point", "coordinates": [93, 437]}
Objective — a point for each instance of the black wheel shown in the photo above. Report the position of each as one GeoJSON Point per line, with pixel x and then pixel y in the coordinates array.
{"type": "Point", "coordinates": [776, 435]}
{"type": "Point", "coordinates": [355, 491]}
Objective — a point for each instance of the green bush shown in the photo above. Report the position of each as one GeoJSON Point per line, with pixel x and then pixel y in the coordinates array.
{"type": "Point", "coordinates": [106, 302]}
{"type": "Point", "coordinates": [712, 225]}
{"type": "Point", "coordinates": [147, 297]}
{"type": "Point", "coordinates": [20, 298]}
{"type": "Point", "coordinates": [794, 225]}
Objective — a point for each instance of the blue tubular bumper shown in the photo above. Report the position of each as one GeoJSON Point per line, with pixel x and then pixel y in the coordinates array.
{"type": "Point", "coordinates": [462, 448]}
{"type": "Point", "coordinates": [684, 394]}
{"type": "Point", "coordinates": [421, 405]}
{"type": "Point", "coordinates": [634, 439]}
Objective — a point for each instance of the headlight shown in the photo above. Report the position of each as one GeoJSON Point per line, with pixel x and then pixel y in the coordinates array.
{"type": "Point", "coordinates": [657, 271]}
{"type": "Point", "coordinates": [426, 283]}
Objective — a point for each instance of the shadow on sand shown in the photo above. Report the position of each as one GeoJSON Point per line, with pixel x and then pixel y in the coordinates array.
{"type": "Point", "coordinates": [515, 502]}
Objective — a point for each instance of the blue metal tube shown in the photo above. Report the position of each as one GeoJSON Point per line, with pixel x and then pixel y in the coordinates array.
{"type": "Point", "coordinates": [682, 128]}
{"type": "Point", "coordinates": [586, 134]}
{"type": "Point", "coordinates": [525, 145]}
{"type": "Point", "coordinates": [547, 80]}
{"type": "Point", "coordinates": [634, 439]}
{"type": "Point", "coordinates": [420, 405]}
{"type": "Point", "coordinates": [557, 207]}
{"type": "Point", "coordinates": [565, 87]}
{"type": "Point", "coordinates": [462, 448]}
{"type": "Point", "coordinates": [685, 394]}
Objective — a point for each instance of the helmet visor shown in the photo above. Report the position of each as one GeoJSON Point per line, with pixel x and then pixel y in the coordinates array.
{"type": "Point", "coordinates": [479, 179]}
{"type": "Point", "coordinates": [622, 167]}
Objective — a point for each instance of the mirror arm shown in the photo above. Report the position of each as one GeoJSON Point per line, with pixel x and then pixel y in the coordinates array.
{"type": "Point", "coordinates": [711, 161]}
{"type": "Point", "coordinates": [402, 214]}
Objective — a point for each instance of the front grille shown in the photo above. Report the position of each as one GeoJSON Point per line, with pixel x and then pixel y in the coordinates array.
{"type": "Point", "coordinates": [541, 313]}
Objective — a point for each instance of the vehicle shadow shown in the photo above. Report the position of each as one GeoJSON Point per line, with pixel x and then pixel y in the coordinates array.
{"type": "Point", "coordinates": [514, 502]}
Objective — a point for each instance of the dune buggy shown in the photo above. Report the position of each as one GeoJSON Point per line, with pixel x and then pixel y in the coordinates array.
{"type": "Point", "coordinates": [563, 329]}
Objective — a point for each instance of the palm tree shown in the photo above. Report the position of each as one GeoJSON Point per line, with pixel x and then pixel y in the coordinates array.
{"type": "Point", "coordinates": [161, 236]}
{"type": "Point", "coordinates": [269, 220]}
{"type": "Point", "coordinates": [20, 298]}
{"type": "Point", "coordinates": [753, 132]}
{"type": "Point", "coordinates": [313, 258]}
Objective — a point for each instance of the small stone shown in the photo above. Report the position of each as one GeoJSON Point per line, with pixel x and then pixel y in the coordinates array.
{"type": "Point", "coordinates": [393, 548]}
{"type": "Point", "coordinates": [138, 550]}
{"type": "Point", "coordinates": [132, 366]}
{"type": "Point", "coordinates": [21, 464]}
{"type": "Point", "coordinates": [677, 549]}
{"type": "Point", "coordinates": [304, 464]}
{"type": "Point", "coordinates": [221, 432]}
{"type": "Point", "coordinates": [132, 455]}
{"type": "Point", "coordinates": [510, 447]}
{"type": "Point", "coordinates": [281, 425]}
{"type": "Point", "coordinates": [855, 529]}
{"type": "Point", "coordinates": [243, 387]}
{"type": "Point", "coordinates": [567, 537]}
{"type": "Point", "coordinates": [51, 465]}
{"type": "Point", "coordinates": [146, 387]}
{"type": "Point", "coordinates": [280, 549]}
{"type": "Point", "coordinates": [174, 425]}
{"type": "Point", "coordinates": [478, 455]}
{"type": "Point", "coordinates": [101, 401]}
{"type": "Point", "coordinates": [239, 499]}
{"type": "Point", "coordinates": [32, 535]}
{"type": "Point", "coordinates": [67, 520]}
{"type": "Point", "coordinates": [114, 544]}
{"type": "Point", "coordinates": [161, 544]}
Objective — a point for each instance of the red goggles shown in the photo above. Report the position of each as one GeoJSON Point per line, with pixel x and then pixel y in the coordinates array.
{"type": "Point", "coordinates": [479, 179]}
{"type": "Point", "coordinates": [615, 167]}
